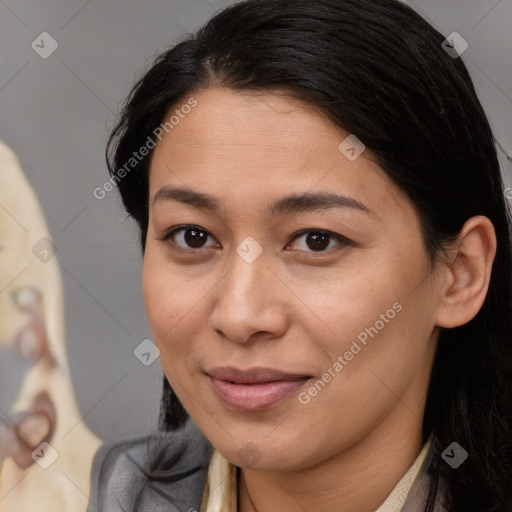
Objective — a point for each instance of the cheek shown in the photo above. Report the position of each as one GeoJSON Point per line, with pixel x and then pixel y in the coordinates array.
{"type": "Point", "coordinates": [161, 296]}
{"type": "Point", "coordinates": [370, 317]}
{"type": "Point", "coordinates": [348, 303]}
{"type": "Point", "coordinates": [173, 303]}
{"type": "Point", "coordinates": [173, 310]}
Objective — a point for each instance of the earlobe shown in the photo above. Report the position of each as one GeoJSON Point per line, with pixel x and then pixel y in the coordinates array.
{"type": "Point", "coordinates": [467, 274]}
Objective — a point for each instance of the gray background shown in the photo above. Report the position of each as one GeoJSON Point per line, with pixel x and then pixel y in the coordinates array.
{"type": "Point", "coordinates": [56, 114]}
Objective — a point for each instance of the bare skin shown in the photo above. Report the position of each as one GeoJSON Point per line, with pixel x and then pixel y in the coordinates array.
{"type": "Point", "coordinates": [297, 309]}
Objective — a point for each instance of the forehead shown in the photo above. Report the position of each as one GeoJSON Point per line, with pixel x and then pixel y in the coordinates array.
{"type": "Point", "coordinates": [256, 146]}
{"type": "Point", "coordinates": [273, 122]}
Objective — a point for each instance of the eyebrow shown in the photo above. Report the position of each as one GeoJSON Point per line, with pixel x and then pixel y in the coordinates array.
{"type": "Point", "coordinates": [292, 204]}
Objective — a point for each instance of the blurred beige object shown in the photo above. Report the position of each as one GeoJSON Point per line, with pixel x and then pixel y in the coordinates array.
{"type": "Point", "coordinates": [42, 407]}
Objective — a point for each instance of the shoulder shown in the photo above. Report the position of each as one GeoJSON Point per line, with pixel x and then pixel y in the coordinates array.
{"type": "Point", "coordinates": [165, 471]}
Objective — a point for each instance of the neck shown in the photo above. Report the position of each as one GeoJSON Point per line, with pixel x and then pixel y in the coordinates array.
{"type": "Point", "coordinates": [358, 479]}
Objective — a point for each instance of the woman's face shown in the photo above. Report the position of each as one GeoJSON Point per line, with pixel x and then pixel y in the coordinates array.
{"type": "Point", "coordinates": [285, 345]}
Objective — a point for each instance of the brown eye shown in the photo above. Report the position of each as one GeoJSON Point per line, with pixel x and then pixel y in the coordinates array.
{"type": "Point", "coordinates": [319, 241]}
{"type": "Point", "coordinates": [190, 237]}
{"type": "Point", "coordinates": [195, 237]}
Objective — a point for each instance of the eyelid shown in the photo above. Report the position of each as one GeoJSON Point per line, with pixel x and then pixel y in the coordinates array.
{"type": "Point", "coordinates": [168, 234]}
{"type": "Point", "coordinates": [343, 241]}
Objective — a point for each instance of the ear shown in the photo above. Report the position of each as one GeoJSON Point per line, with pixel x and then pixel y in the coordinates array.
{"type": "Point", "coordinates": [466, 276]}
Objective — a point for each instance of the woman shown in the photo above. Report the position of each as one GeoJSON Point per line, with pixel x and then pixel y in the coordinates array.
{"type": "Point", "coordinates": [327, 269]}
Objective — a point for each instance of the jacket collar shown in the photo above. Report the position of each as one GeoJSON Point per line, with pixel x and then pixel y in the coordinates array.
{"type": "Point", "coordinates": [167, 472]}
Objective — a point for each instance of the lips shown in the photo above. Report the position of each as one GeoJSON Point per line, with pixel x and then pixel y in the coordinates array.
{"type": "Point", "coordinates": [253, 375]}
{"type": "Point", "coordinates": [254, 389]}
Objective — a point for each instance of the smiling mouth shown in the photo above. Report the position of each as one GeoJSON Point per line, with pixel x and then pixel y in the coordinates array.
{"type": "Point", "coordinates": [254, 389]}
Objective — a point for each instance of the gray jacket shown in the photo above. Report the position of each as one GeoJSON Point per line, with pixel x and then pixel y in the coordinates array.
{"type": "Point", "coordinates": [167, 472]}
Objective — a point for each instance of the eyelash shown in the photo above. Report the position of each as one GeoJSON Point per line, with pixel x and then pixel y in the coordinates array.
{"type": "Point", "coordinates": [168, 235]}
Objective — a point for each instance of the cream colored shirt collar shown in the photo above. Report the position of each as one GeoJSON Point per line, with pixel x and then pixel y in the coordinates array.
{"type": "Point", "coordinates": [221, 489]}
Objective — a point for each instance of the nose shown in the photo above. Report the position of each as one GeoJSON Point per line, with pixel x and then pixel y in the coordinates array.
{"type": "Point", "coordinates": [251, 301]}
